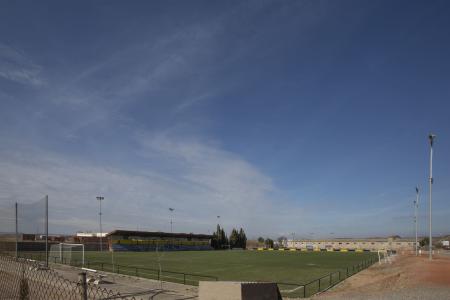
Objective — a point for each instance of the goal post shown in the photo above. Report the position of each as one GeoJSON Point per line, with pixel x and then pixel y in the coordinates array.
{"type": "Point", "coordinates": [66, 253]}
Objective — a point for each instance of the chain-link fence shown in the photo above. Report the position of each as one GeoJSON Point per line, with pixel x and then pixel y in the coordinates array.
{"type": "Point", "coordinates": [25, 279]}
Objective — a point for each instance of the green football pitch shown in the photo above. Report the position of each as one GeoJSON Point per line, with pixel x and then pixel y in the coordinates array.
{"type": "Point", "coordinates": [239, 265]}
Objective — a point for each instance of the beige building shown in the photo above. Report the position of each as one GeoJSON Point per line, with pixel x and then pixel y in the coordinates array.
{"type": "Point", "coordinates": [369, 244]}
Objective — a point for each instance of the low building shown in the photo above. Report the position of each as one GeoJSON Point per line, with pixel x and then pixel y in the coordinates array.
{"type": "Point", "coordinates": [369, 244]}
{"type": "Point", "coordinates": [126, 240]}
{"type": "Point", "coordinates": [91, 240]}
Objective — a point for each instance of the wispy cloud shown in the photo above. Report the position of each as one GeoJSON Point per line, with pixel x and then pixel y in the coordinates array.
{"type": "Point", "coordinates": [199, 179]}
{"type": "Point", "coordinates": [17, 67]}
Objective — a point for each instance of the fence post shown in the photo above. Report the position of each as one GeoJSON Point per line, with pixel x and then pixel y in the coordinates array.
{"type": "Point", "coordinates": [319, 284]}
{"type": "Point", "coordinates": [184, 278]}
{"type": "Point", "coordinates": [83, 283]}
{"type": "Point", "coordinates": [118, 269]}
{"type": "Point", "coordinates": [304, 291]}
{"type": "Point", "coordinates": [158, 274]}
{"type": "Point", "coordinates": [347, 271]}
{"type": "Point", "coordinates": [331, 278]}
{"type": "Point", "coordinates": [339, 275]}
{"type": "Point", "coordinates": [102, 266]}
{"type": "Point", "coordinates": [136, 272]}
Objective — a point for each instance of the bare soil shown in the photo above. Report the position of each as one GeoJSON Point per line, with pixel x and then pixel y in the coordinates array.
{"type": "Point", "coordinates": [407, 277]}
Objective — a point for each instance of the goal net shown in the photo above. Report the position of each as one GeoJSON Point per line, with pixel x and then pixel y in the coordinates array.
{"type": "Point", "coordinates": [64, 253]}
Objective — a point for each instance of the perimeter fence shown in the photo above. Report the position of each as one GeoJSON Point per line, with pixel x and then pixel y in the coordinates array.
{"type": "Point", "coordinates": [25, 279]}
{"type": "Point", "coordinates": [323, 283]}
{"type": "Point", "coordinates": [156, 274]}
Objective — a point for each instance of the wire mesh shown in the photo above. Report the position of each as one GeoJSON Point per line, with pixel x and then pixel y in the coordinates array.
{"type": "Point", "coordinates": [31, 218]}
{"type": "Point", "coordinates": [24, 279]}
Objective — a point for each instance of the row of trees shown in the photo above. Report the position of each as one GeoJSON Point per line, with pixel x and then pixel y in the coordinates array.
{"type": "Point", "coordinates": [237, 239]}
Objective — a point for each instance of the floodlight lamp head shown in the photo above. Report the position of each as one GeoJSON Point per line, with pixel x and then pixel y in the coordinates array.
{"type": "Point", "coordinates": [431, 137]}
{"type": "Point", "coordinates": [171, 209]}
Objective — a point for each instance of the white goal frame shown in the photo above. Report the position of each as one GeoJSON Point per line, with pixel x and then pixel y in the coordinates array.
{"type": "Point", "coordinates": [68, 244]}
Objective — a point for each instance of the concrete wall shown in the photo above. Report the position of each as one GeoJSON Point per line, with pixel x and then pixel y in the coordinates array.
{"type": "Point", "coordinates": [229, 290]}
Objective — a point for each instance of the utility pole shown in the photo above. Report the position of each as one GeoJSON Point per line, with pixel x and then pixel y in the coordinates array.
{"type": "Point", "coordinates": [100, 199]}
{"type": "Point", "coordinates": [416, 207]}
{"type": "Point", "coordinates": [431, 137]}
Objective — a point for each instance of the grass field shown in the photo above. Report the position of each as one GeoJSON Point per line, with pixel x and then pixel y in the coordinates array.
{"type": "Point", "coordinates": [298, 271]}
{"type": "Point", "coordinates": [286, 266]}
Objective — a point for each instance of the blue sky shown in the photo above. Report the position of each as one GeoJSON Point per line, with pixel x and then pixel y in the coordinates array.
{"type": "Point", "coordinates": [296, 116]}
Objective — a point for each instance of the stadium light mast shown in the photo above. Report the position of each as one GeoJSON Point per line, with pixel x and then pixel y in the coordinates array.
{"type": "Point", "coordinates": [100, 199]}
{"type": "Point", "coordinates": [171, 217]}
{"type": "Point", "coordinates": [431, 137]}
{"type": "Point", "coordinates": [416, 207]}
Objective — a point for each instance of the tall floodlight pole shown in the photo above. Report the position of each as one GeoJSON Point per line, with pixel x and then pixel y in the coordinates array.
{"type": "Point", "coordinates": [100, 199]}
{"type": "Point", "coordinates": [416, 207]}
{"type": "Point", "coordinates": [171, 210]}
{"type": "Point", "coordinates": [171, 231]}
{"type": "Point", "coordinates": [46, 231]}
{"type": "Point", "coordinates": [293, 244]}
{"type": "Point", "coordinates": [431, 137]}
{"type": "Point", "coordinates": [17, 234]}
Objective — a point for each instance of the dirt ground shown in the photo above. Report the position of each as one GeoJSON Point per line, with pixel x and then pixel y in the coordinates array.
{"type": "Point", "coordinates": [407, 277]}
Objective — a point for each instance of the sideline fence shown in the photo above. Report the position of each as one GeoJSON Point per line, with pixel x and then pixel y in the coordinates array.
{"type": "Point", "coordinates": [25, 279]}
{"type": "Point", "coordinates": [323, 283]}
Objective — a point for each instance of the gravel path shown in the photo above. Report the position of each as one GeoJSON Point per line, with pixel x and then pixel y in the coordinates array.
{"type": "Point", "coordinates": [140, 288]}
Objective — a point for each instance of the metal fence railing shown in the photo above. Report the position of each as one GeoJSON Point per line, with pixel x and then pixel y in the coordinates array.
{"type": "Point", "coordinates": [322, 283]}
{"type": "Point", "coordinates": [157, 274]}
{"type": "Point", "coordinates": [25, 279]}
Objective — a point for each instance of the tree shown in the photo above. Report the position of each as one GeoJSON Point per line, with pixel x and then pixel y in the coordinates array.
{"type": "Point", "coordinates": [282, 240]}
{"type": "Point", "coordinates": [424, 242]}
{"type": "Point", "coordinates": [242, 239]}
{"type": "Point", "coordinates": [219, 240]}
{"type": "Point", "coordinates": [269, 243]}
{"type": "Point", "coordinates": [261, 240]}
{"type": "Point", "coordinates": [234, 239]}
